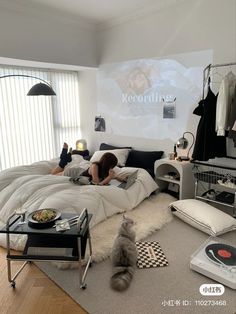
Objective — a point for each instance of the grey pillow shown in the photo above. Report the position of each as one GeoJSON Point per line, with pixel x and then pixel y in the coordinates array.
{"type": "Point", "coordinates": [143, 159]}
{"type": "Point", "coordinates": [104, 146]}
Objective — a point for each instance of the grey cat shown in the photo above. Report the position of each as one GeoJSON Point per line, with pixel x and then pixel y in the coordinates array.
{"type": "Point", "coordinates": [124, 256]}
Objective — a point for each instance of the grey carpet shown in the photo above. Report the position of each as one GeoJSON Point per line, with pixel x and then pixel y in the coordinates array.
{"type": "Point", "coordinates": [150, 287]}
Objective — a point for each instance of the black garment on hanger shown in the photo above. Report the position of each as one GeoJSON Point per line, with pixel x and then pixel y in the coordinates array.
{"type": "Point", "coordinates": [208, 144]}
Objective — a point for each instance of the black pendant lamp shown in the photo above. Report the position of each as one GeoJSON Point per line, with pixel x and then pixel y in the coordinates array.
{"type": "Point", "coordinates": [41, 89]}
{"type": "Point", "coordinates": [38, 89]}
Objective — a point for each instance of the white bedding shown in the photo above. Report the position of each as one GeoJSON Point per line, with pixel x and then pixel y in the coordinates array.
{"type": "Point", "coordinates": [33, 187]}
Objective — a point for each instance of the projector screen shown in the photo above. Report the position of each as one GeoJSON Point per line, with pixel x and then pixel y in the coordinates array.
{"type": "Point", "coordinates": [149, 98]}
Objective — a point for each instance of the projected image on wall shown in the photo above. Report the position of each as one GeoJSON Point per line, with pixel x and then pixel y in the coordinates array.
{"type": "Point", "coordinates": [148, 98]}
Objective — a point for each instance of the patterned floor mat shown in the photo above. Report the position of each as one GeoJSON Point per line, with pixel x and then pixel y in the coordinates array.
{"type": "Point", "coordinates": [150, 254]}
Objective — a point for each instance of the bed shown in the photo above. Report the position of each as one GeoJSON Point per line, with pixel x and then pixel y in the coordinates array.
{"type": "Point", "coordinates": [32, 187]}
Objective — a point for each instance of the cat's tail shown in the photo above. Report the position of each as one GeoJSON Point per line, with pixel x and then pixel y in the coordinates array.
{"type": "Point", "coordinates": [122, 277]}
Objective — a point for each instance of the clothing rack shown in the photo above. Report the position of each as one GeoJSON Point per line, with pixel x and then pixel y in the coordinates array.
{"type": "Point", "coordinates": [207, 70]}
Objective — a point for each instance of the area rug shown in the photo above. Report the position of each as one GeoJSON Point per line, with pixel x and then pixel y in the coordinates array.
{"type": "Point", "coordinates": [148, 216]}
{"type": "Point", "coordinates": [157, 290]}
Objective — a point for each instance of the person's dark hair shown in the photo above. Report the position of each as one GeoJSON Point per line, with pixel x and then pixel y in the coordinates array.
{"type": "Point", "coordinates": [107, 161]}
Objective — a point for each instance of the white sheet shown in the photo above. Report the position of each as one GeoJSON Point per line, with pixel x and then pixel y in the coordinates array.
{"type": "Point", "coordinates": [33, 187]}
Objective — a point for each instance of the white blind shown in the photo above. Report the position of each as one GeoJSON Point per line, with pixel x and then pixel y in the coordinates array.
{"type": "Point", "coordinates": [33, 128]}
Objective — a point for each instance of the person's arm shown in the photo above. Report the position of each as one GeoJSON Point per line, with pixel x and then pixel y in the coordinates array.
{"type": "Point", "coordinates": [93, 171]}
{"type": "Point", "coordinates": [121, 178]}
{"type": "Point", "coordinates": [110, 176]}
{"type": "Point", "coordinates": [113, 175]}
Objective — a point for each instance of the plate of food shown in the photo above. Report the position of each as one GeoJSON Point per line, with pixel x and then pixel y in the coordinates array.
{"type": "Point", "coordinates": [43, 218]}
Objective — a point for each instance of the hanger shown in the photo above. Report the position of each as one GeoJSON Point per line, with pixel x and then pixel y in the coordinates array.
{"type": "Point", "coordinates": [218, 73]}
{"type": "Point", "coordinates": [231, 75]}
{"type": "Point", "coordinates": [168, 100]}
{"type": "Point", "coordinates": [209, 82]}
{"type": "Point", "coordinates": [209, 68]}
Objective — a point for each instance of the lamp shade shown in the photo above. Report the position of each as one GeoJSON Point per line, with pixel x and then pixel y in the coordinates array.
{"type": "Point", "coordinates": [41, 89]}
{"type": "Point", "coordinates": [81, 145]}
{"type": "Point", "coordinates": [183, 143]}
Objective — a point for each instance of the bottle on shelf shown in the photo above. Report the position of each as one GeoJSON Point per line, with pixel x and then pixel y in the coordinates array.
{"type": "Point", "coordinates": [175, 152]}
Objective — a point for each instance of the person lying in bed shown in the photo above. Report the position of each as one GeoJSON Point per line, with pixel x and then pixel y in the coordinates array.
{"type": "Point", "coordinates": [100, 172]}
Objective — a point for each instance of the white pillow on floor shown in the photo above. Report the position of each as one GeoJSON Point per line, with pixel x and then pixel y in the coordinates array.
{"type": "Point", "coordinates": [203, 216]}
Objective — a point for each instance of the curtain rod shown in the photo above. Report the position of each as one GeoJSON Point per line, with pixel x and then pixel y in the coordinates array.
{"type": "Point", "coordinates": [33, 69]}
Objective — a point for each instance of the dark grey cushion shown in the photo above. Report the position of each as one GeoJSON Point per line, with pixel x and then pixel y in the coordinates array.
{"type": "Point", "coordinates": [143, 159]}
{"type": "Point", "coordinates": [104, 146]}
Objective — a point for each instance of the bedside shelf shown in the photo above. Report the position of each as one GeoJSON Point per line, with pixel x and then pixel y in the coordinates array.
{"type": "Point", "coordinates": [182, 187]}
{"type": "Point", "coordinates": [168, 180]}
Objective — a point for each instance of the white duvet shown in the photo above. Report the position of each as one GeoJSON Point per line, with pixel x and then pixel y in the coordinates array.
{"type": "Point", "coordinates": [32, 187]}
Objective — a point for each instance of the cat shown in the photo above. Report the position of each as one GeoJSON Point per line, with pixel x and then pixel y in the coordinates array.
{"type": "Point", "coordinates": [123, 256]}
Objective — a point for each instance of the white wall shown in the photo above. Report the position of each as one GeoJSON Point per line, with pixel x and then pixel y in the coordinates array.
{"type": "Point", "coordinates": [88, 103]}
{"type": "Point", "coordinates": [88, 107]}
{"type": "Point", "coordinates": [29, 35]}
{"type": "Point", "coordinates": [190, 25]}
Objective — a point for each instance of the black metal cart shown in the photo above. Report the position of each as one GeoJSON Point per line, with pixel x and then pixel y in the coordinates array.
{"type": "Point", "coordinates": [50, 245]}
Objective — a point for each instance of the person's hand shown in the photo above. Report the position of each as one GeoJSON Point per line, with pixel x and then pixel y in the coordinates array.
{"type": "Point", "coordinates": [124, 178]}
{"type": "Point", "coordinates": [112, 174]}
{"type": "Point", "coordinates": [121, 178]}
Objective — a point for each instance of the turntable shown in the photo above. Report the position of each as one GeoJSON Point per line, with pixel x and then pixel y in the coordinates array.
{"type": "Point", "coordinates": [216, 259]}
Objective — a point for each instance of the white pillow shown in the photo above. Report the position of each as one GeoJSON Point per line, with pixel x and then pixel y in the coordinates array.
{"type": "Point", "coordinates": [203, 216]}
{"type": "Point", "coordinates": [121, 155]}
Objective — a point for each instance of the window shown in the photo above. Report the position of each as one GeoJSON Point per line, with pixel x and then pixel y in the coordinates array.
{"type": "Point", "coordinates": [33, 128]}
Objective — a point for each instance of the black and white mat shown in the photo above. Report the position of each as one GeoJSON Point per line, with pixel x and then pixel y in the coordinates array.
{"type": "Point", "coordinates": [150, 254]}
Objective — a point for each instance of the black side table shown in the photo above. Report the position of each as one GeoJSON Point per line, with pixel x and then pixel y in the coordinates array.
{"type": "Point", "coordinates": [48, 244]}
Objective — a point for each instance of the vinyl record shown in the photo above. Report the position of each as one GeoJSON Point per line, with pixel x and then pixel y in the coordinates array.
{"type": "Point", "coordinates": [221, 254]}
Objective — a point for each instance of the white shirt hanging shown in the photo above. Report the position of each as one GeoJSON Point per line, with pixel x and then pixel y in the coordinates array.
{"type": "Point", "coordinates": [224, 101]}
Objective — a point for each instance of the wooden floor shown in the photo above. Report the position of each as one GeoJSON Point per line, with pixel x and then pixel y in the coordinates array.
{"type": "Point", "coordinates": [35, 293]}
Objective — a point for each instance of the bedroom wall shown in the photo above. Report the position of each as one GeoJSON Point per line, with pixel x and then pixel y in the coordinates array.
{"type": "Point", "coordinates": [184, 27]}
{"type": "Point", "coordinates": [28, 34]}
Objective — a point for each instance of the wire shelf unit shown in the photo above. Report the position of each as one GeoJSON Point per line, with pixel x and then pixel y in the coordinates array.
{"type": "Point", "coordinates": [216, 183]}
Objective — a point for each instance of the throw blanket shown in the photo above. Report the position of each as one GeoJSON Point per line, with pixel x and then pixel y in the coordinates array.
{"type": "Point", "coordinates": [32, 187]}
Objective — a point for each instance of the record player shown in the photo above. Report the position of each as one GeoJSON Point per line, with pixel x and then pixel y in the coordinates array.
{"type": "Point", "coordinates": [216, 259]}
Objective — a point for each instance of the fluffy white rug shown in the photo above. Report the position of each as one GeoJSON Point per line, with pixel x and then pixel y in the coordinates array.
{"type": "Point", "coordinates": [149, 216]}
